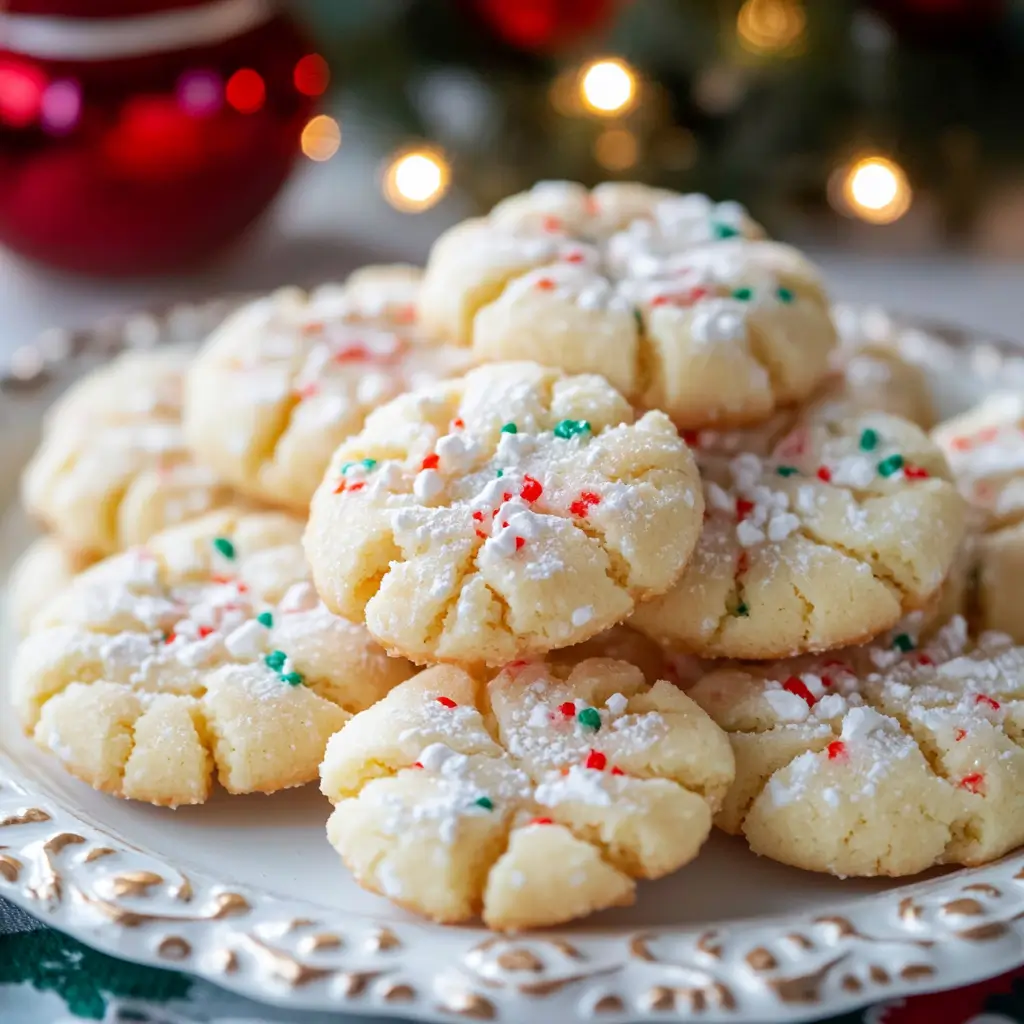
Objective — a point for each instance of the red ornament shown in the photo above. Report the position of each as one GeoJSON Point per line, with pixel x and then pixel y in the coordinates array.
{"type": "Point", "coordinates": [542, 24]}
{"type": "Point", "coordinates": [140, 136]}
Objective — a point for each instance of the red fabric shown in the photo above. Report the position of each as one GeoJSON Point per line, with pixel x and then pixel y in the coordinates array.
{"type": "Point", "coordinates": [140, 185]}
{"type": "Point", "coordinates": [959, 1006]}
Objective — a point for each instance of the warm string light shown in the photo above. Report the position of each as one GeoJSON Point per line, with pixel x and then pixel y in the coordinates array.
{"type": "Point", "coordinates": [873, 189]}
{"type": "Point", "coordinates": [608, 86]}
{"type": "Point", "coordinates": [771, 26]}
{"type": "Point", "coordinates": [321, 138]}
{"type": "Point", "coordinates": [616, 149]}
{"type": "Point", "coordinates": [416, 179]}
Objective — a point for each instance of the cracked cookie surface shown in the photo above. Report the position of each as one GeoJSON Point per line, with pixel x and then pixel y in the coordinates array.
{"type": "Point", "coordinates": [532, 799]}
{"type": "Point", "coordinates": [284, 380]}
{"type": "Point", "coordinates": [877, 761]}
{"type": "Point", "coordinates": [113, 468]}
{"type": "Point", "coordinates": [673, 298]}
{"type": "Point", "coordinates": [206, 653]}
{"type": "Point", "coordinates": [846, 525]}
{"type": "Point", "coordinates": [985, 449]}
{"type": "Point", "coordinates": [501, 515]}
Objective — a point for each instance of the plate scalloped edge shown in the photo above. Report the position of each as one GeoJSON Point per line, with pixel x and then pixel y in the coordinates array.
{"type": "Point", "coordinates": [940, 933]}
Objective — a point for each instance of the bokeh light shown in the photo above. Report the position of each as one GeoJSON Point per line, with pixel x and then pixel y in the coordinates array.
{"type": "Point", "coordinates": [246, 91]}
{"type": "Point", "coordinates": [200, 92]}
{"type": "Point", "coordinates": [321, 138]}
{"type": "Point", "coordinates": [608, 86]}
{"type": "Point", "coordinates": [311, 75]}
{"type": "Point", "coordinates": [61, 106]}
{"type": "Point", "coordinates": [616, 149]}
{"type": "Point", "coordinates": [771, 26]}
{"type": "Point", "coordinates": [415, 179]}
{"type": "Point", "coordinates": [874, 189]}
{"type": "Point", "coordinates": [21, 93]}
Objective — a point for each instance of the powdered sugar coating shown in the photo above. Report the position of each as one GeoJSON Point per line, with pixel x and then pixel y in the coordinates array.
{"type": "Point", "coordinates": [284, 380]}
{"type": "Point", "coordinates": [555, 514]}
{"type": "Point", "coordinates": [674, 299]}
{"type": "Point", "coordinates": [205, 652]}
{"type": "Point", "coordinates": [848, 523]}
{"type": "Point", "coordinates": [113, 467]}
{"type": "Point", "coordinates": [881, 760]}
{"type": "Point", "coordinates": [531, 799]}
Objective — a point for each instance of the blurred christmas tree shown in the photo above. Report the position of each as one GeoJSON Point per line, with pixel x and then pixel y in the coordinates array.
{"type": "Point", "coordinates": [793, 106]}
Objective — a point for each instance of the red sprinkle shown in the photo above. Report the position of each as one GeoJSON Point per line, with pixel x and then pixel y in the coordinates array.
{"type": "Point", "coordinates": [458, 422]}
{"type": "Point", "coordinates": [552, 223]}
{"type": "Point", "coordinates": [313, 327]}
{"type": "Point", "coordinates": [307, 391]}
{"type": "Point", "coordinates": [596, 760]}
{"type": "Point", "coordinates": [431, 461]}
{"type": "Point", "coordinates": [743, 508]}
{"type": "Point", "coordinates": [742, 563]}
{"type": "Point", "coordinates": [924, 659]}
{"type": "Point", "coordinates": [204, 631]}
{"type": "Point", "coordinates": [799, 688]}
{"type": "Point", "coordinates": [982, 698]}
{"type": "Point", "coordinates": [351, 354]}
{"type": "Point", "coordinates": [616, 770]}
{"type": "Point", "coordinates": [357, 486]}
{"type": "Point", "coordinates": [170, 638]}
{"type": "Point", "coordinates": [221, 578]}
{"type": "Point", "coordinates": [416, 764]}
{"type": "Point", "coordinates": [446, 702]}
{"type": "Point", "coordinates": [568, 709]}
{"type": "Point", "coordinates": [478, 516]}
{"type": "Point", "coordinates": [961, 444]}
{"type": "Point", "coordinates": [691, 438]}
{"type": "Point", "coordinates": [519, 543]}
{"type": "Point", "coordinates": [660, 300]}
{"type": "Point", "coordinates": [973, 783]}
{"type": "Point", "coordinates": [405, 314]}
{"type": "Point", "coordinates": [581, 506]}
{"type": "Point", "coordinates": [542, 821]}
{"type": "Point", "coordinates": [545, 284]}
{"type": "Point", "coordinates": [836, 750]}
{"type": "Point", "coordinates": [959, 734]}
{"type": "Point", "coordinates": [573, 257]}
{"type": "Point", "coordinates": [915, 473]}
{"type": "Point", "coordinates": [532, 489]}
{"type": "Point", "coordinates": [481, 534]}
{"type": "Point", "coordinates": [340, 489]}
{"type": "Point", "coordinates": [824, 473]}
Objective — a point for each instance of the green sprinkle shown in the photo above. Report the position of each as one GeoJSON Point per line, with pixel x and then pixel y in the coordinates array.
{"type": "Point", "coordinates": [224, 546]}
{"type": "Point", "coordinates": [890, 465]}
{"type": "Point", "coordinates": [265, 619]}
{"type": "Point", "coordinates": [365, 463]}
{"type": "Point", "coordinates": [723, 231]}
{"type": "Point", "coordinates": [786, 470]}
{"type": "Point", "coordinates": [369, 463]}
{"type": "Point", "coordinates": [570, 428]}
{"type": "Point", "coordinates": [485, 802]}
{"type": "Point", "coordinates": [743, 294]}
{"type": "Point", "coordinates": [742, 611]}
{"type": "Point", "coordinates": [868, 440]}
{"type": "Point", "coordinates": [784, 294]}
{"type": "Point", "coordinates": [292, 678]}
{"type": "Point", "coordinates": [275, 660]}
{"type": "Point", "coordinates": [510, 428]}
{"type": "Point", "coordinates": [501, 473]}
{"type": "Point", "coordinates": [903, 642]}
{"type": "Point", "coordinates": [639, 318]}
{"type": "Point", "coordinates": [590, 718]}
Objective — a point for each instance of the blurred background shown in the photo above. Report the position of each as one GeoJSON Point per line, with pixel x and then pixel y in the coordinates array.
{"type": "Point", "coordinates": [157, 149]}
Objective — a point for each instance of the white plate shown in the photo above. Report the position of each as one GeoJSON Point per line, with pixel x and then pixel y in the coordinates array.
{"type": "Point", "coordinates": [246, 892]}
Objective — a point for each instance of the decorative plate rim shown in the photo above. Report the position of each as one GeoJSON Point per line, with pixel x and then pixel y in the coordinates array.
{"type": "Point", "coordinates": [963, 926]}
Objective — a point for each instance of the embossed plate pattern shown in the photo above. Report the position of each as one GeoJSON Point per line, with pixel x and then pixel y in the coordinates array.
{"type": "Point", "coordinates": [246, 892]}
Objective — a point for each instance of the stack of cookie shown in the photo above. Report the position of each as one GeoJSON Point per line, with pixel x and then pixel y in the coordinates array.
{"type": "Point", "coordinates": [552, 490]}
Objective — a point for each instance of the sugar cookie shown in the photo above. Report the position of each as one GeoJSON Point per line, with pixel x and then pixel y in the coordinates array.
{"type": "Point", "coordinates": [44, 569]}
{"type": "Point", "coordinates": [877, 761]}
{"type": "Point", "coordinates": [113, 468]}
{"type": "Point", "coordinates": [672, 298]}
{"type": "Point", "coordinates": [985, 448]}
{"type": "Point", "coordinates": [283, 381]}
{"type": "Point", "coordinates": [533, 799]}
{"type": "Point", "coordinates": [848, 524]}
{"type": "Point", "coordinates": [206, 652]}
{"type": "Point", "coordinates": [501, 515]}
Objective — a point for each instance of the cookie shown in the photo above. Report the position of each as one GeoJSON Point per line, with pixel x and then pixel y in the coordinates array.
{"type": "Point", "coordinates": [877, 761]}
{"type": "Point", "coordinates": [848, 524]}
{"type": "Point", "coordinates": [532, 799]}
{"type": "Point", "coordinates": [501, 515]}
{"type": "Point", "coordinates": [112, 468]}
{"type": "Point", "coordinates": [985, 449]}
{"type": "Point", "coordinates": [281, 383]}
{"type": "Point", "coordinates": [630, 283]}
{"type": "Point", "coordinates": [205, 653]}
{"type": "Point", "coordinates": [45, 568]}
